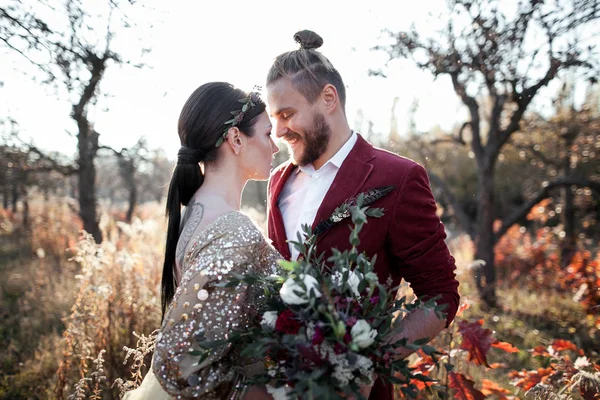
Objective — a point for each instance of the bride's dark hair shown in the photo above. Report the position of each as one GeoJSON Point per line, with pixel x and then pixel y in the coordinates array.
{"type": "Point", "coordinates": [201, 125]}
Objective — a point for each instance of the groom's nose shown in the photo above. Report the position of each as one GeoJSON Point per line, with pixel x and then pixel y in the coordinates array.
{"type": "Point", "coordinates": [280, 130]}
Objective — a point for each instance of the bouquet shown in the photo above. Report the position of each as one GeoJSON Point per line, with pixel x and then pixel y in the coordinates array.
{"type": "Point", "coordinates": [328, 326]}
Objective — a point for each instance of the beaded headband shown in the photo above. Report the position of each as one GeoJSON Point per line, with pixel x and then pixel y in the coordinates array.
{"type": "Point", "coordinates": [248, 102]}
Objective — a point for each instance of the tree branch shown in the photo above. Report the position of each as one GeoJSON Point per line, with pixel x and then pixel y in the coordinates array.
{"type": "Point", "coordinates": [531, 148]}
{"type": "Point", "coordinates": [522, 211]}
{"type": "Point", "coordinates": [473, 107]}
{"type": "Point", "coordinates": [523, 99]}
{"type": "Point", "coordinates": [458, 139]}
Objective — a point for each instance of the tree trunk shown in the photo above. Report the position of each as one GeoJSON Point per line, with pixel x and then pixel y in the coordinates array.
{"type": "Point", "coordinates": [15, 195]}
{"type": "Point", "coordinates": [567, 249]}
{"type": "Point", "coordinates": [127, 170]}
{"type": "Point", "coordinates": [5, 195]}
{"type": "Point", "coordinates": [486, 275]}
{"type": "Point", "coordinates": [25, 211]}
{"type": "Point", "coordinates": [88, 146]}
{"type": "Point", "coordinates": [132, 201]}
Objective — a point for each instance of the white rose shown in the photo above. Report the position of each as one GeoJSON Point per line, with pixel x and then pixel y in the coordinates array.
{"type": "Point", "coordinates": [292, 293]}
{"type": "Point", "coordinates": [269, 318]}
{"type": "Point", "coordinates": [363, 362]}
{"type": "Point", "coordinates": [280, 393]}
{"type": "Point", "coordinates": [354, 279]}
{"type": "Point", "coordinates": [362, 334]}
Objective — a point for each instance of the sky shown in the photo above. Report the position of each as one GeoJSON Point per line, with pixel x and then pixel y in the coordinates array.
{"type": "Point", "coordinates": [192, 42]}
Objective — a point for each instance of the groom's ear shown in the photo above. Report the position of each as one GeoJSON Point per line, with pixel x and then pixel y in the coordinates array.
{"type": "Point", "coordinates": [234, 139]}
{"type": "Point", "coordinates": [330, 98]}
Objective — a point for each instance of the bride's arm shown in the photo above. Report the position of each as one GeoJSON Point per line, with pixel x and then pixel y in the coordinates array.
{"type": "Point", "coordinates": [199, 308]}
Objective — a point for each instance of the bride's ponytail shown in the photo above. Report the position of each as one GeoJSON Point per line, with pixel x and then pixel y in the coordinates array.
{"type": "Point", "coordinates": [185, 181]}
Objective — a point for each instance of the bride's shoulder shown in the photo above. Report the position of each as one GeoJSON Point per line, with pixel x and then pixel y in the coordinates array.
{"type": "Point", "coordinates": [241, 225]}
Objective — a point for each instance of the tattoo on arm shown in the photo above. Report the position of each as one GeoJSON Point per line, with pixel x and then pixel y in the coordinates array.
{"type": "Point", "coordinates": [193, 216]}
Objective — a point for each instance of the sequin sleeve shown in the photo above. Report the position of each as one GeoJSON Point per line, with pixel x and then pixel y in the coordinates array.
{"type": "Point", "coordinates": [233, 245]}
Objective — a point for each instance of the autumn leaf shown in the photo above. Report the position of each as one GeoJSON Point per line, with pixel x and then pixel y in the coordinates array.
{"type": "Point", "coordinates": [561, 345]}
{"type": "Point", "coordinates": [498, 365]}
{"type": "Point", "coordinates": [477, 341]}
{"type": "Point", "coordinates": [507, 347]}
{"type": "Point", "coordinates": [528, 379]}
{"type": "Point", "coordinates": [540, 351]}
{"type": "Point", "coordinates": [462, 308]}
{"type": "Point", "coordinates": [489, 388]}
{"type": "Point", "coordinates": [463, 387]}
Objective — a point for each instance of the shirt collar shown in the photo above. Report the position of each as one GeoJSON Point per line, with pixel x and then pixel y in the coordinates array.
{"type": "Point", "coordinates": [337, 160]}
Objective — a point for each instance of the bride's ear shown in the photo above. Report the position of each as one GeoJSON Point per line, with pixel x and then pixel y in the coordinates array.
{"type": "Point", "coordinates": [234, 139]}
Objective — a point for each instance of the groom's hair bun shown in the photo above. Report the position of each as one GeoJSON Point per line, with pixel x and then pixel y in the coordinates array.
{"type": "Point", "coordinates": [307, 69]}
{"type": "Point", "coordinates": [308, 39]}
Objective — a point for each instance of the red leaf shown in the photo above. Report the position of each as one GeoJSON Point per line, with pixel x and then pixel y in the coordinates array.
{"type": "Point", "coordinates": [507, 347]}
{"type": "Point", "coordinates": [490, 387]}
{"type": "Point", "coordinates": [463, 387]}
{"type": "Point", "coordinates": [540, 351]}
{"type": "Point", "coordinates": [561, 344]}
{"type": "Point", "coordinates": [528, 379]}
{"type": "Point", "coordinates": [464, 306]}
{"type": "Point", "coordinates": [476, 340]}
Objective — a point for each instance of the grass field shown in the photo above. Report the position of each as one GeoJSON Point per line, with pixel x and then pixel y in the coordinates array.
{"type": "Point", "coordinates": [70, 308]}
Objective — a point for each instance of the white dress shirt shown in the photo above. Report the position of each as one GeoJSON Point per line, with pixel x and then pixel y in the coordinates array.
{"type": "Point", "coordinates": [305, 190]}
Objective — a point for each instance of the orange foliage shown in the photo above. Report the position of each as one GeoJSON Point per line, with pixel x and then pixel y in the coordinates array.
{"type": "Point", "coordinates": [507, 347]}
{"type": "Point", "coordinates": [463, 387]}
{"type": "Point", "coordinates": [489, 388]}
{"type": "Point", "coordinates": [534, 260]}
{"type": "Point", "coordinates": [528, 379]}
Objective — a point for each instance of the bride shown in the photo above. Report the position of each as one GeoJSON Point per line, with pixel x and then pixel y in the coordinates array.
{"type": "Point", "coordinates": [228, 133]}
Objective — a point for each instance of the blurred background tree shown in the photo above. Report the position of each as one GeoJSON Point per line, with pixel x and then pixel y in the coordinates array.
{"type": "Point", "coordinates": [497, 70]}
{"type": "Point", "coordinates": [63, 43]}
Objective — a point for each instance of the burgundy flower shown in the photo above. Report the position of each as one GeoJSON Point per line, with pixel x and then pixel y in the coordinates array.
{"type": "Point", "coordinates": [374, 299]}
{"type": "Point", "coordinates": [351, 322]}
{"type": "Point", "coordinates": [347, 338]}
{"type": "Point", "coordinates": [287, 323]}
{"type": "Point", "coordinates": [339, 348]}
{"type": "Point", "coordinates": [318, 336]}
{"type": "Point", "coordinates": [310, 354]}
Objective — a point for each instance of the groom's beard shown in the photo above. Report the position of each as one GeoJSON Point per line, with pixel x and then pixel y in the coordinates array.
{"type": "Point", "coordinates": [315, 140]}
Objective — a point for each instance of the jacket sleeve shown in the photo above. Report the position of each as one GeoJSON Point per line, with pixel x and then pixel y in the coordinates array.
{"type": "Point", "coordinates": [416, 238]}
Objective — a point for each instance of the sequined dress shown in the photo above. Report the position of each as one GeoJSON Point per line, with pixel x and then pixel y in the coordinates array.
{"type": "Point", "coordinates": [230, 244]}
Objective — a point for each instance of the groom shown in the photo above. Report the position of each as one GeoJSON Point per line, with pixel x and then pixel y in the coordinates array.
{"type": "Point", "coordinates": [329, 164]}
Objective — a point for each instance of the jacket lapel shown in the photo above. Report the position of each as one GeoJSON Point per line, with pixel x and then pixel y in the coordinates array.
{"type": "Point", "coordinates": [278, 234]}
{"type": "Point", "coordinates": [349, 180]}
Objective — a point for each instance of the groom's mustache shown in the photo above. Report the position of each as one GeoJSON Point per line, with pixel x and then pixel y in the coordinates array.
{"type": "Point", "coordinates": [290, 135]}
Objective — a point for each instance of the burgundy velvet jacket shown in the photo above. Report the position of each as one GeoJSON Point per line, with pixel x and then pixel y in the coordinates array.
{"type": "Point", "coordinates": [408, 240]}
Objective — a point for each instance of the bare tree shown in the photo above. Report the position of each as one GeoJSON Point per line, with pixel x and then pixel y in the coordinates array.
{"type": "Point", "coordinates": [128, 160]}
{"type": "Point", "coordinates": [72, 50]}
{"type": "Point", "coordinates": [23, 166]}
{"type": "Point", "coordinates": [564, 146]}
{"type": "Point", "coordinates": [497, 71]}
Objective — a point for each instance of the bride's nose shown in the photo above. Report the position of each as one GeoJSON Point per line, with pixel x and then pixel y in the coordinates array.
{"type": "Point", "coordinates": [274, 147]}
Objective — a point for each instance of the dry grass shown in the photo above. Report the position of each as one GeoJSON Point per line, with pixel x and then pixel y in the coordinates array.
{"type": "Point", "coordinates": [77, 318]}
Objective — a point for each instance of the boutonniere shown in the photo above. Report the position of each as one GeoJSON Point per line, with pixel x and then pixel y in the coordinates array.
{"type": "Point", "coordinates": [344, 211]}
